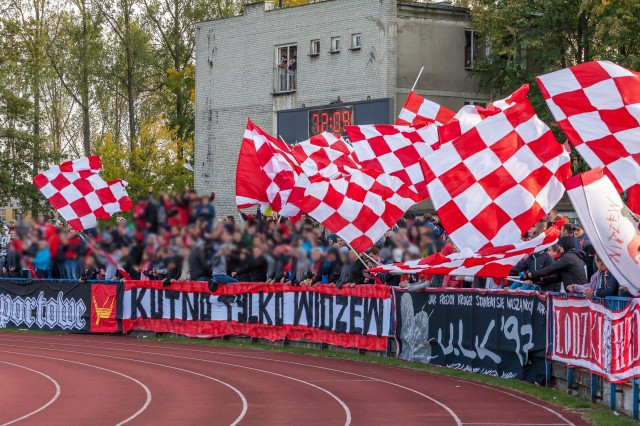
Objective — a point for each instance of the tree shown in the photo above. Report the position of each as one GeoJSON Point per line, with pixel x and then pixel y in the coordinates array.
{"type": "Point", "coordinates": [532, 37]}
{"type": "Point", "coordinates": [73, 51]}
{"type": "Point", "coordinates": [18, 144]}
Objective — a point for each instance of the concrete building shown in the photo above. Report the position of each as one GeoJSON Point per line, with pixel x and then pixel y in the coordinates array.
{"type": "Point", "coordinates": [355, 63]}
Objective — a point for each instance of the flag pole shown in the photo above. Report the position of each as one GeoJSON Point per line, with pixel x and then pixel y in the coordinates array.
{"type": "Point", "coordinates": [417, 78]}
{"type": "Point", "coordinates": [357, 255]}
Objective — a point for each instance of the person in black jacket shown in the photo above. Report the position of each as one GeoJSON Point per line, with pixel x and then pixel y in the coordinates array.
{"type": "Point", "coordinates": [13, 261]}
{"type": "Point", "coordinates": [199, 268]}
{"type": "Point", "coordinates": [256, 267]}
{"type": "Point", "coordinates": [531, 263]}
{"type": "Point", "coordinates": [569, 268]}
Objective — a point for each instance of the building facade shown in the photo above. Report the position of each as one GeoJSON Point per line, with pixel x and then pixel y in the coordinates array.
{"type": "Point", "coordinates": [302, 70]}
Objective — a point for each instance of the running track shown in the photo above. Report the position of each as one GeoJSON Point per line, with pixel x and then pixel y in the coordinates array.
{"type": "Point", "coordinates": [110, 380]}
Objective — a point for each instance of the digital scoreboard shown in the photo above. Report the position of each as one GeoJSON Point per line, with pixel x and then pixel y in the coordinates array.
{"type": "Point", "coordinates": [299, 124]}
{"type": "Point", "coordinates": [332, 120]}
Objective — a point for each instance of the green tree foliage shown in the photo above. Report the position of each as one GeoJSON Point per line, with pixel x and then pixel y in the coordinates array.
{"type": "Point", "coordinates": [527, 38]}
{"type": "Point", "coordinates": [109, 77]}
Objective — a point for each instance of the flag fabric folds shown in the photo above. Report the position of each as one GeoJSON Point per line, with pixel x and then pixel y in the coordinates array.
{"type": "Point", "coordinates": [418, 110]}
{"type": "Point", "coordinates": [266, 171]}
{"type": "Point", "coordinates": [470, 115]}
{"type": "Point", "coordinates": [611, 227]}
{"type": "Point", "coordinates": [597, 105]}
{"type": "Point", "coordinates": [494, 182]}
{"type": "Point", "coordinates": [360, 207]}
{"type": "Point", "coordinates": [81, 196]}
{"type": "Point", "coordinates": [495, 262]}
{"type": "Point", "coordinates": [396, 151]}
{"type": "Point", "coordinates": [325, 154]}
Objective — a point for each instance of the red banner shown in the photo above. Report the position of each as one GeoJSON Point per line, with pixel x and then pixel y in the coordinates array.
{"type": "Point", "coordinates": [588, 335]}
{"type": "Point", "coordinates": [353, 317]}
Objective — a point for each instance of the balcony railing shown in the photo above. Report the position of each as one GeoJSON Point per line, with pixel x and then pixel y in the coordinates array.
{"type": "Point", "coordinates": [284, 80]}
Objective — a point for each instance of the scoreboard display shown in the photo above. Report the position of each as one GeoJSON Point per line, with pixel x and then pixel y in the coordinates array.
{"type": "Point", "coordinates": [297, 125]}
{"type": "Point", "coordinates": [332, 120]}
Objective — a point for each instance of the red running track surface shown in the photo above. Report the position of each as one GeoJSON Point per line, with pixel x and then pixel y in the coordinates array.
{"type": "Point", "coordinates": [107, 380]}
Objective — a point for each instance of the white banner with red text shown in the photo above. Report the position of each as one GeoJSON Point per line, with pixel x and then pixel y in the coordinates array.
{"type": "Point", "coordinates": [587, 334]}
{"type": "Point", "coordinates": [351, 317]}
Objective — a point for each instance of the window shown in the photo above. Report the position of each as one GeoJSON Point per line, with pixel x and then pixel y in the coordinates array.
{"type": "Point", "coordinates": [475, 102]}
{"type": "Point", "coordinates": [3, 215]}
{"type": "Point", "coordinates": [315, 47]}
{"type": "Point", "coordinates": [356, 41]}
{"type": "Point", "coordinates": [286, 68]}
{"type": "Point", "coordinates": [335, 44]}
{"type": "Point", "coordinates": [471, 48]}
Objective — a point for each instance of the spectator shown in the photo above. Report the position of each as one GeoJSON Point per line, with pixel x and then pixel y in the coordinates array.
{"type": "Point", "coordinates": [602, 283]}
{"type": "Point", "coordinates": [219, 267]}
{"type": "Point", "coordinates": [90, 271]}
{"type": "Point", "coordinates": [568, 269]}
{"type": "Point", "coordinates": [206, 211]}
{"type": "Point", "coordinates": [42, 260]}
{"type": "Point", "coordinates": [13, 262]}
{"type": "Point", "coordinates": [199, 268]}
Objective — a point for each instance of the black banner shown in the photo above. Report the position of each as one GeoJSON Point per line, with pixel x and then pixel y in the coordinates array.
{"type": "Point", "coordinates": [497, 333]}
{"type": "Point", "coordinates": [43, 305]}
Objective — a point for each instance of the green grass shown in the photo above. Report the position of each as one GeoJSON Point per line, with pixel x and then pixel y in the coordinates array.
{"type": "Point", "coordinates": [592, 413]}
{"type": "Point", "coordinates": [604, 417]}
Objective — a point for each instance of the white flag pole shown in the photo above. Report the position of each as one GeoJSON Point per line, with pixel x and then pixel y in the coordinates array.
{"type": "Point", "coordinates": [357, 255]}
{"type": "Point", "coordinates": [417, 78]}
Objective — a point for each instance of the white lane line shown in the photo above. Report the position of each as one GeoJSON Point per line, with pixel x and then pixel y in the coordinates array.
{"type": "Point", "coordinates": [470, 382]}
{"type": "Point", "coordinates": [240, 394]}
{"type": "Point", "coordinates": [51, 401]}
{"type": "Point", "coordinates": [344, 406]}
{"type": "Point", "coordinates": [146, 389]}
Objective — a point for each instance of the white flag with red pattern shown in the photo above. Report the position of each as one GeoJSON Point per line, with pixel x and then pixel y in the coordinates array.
{"type": "Point", "coordinates": [495, 181]}
{"type": "Point", "coordinates": [81, 196]}
{"type": "Point", "coordinates": [266, 171]}
{"type": "Point", "coordinates": [495, 262]}
{"type": "Point", "coordinates": [418, 110]}
{"type": "Point", "coordinates": [396, 151]}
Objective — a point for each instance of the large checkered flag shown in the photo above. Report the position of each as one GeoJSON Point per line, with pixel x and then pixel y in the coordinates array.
{"type": "Point", "coordinates": [495, 262]}
{"type": "Point", "coordinates": [494, 182]}
{"type": "Point", "coordinates": [418, 110]}
{"type": "Point", "coordinates": [396, 151]}
{"type": "Point", "coordinates": [470, 115]}
{"type": "Point", "coordinates": [360, 207]}
{"type": "Point", "coordinates": [77, 191]}
{"type": "Point", "coordinates": [266, 171]}
{"type": "Point", "coordinates": [326, 155]}
{"type": "Point", "coordinates": [597, 105]}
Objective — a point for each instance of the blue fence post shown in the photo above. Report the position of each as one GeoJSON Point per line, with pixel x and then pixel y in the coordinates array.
{"type": "Point", "coordinates": [612, 396]}
{"type": "Point", "coordinates": [594, 387]}
{"type": "Point", "coordinates": [569, 378]}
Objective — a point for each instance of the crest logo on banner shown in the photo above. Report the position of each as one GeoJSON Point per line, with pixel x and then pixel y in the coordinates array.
{"type": "Point", "coordinates": [103, 308]}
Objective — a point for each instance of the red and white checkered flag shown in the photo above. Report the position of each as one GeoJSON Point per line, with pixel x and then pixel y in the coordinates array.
{"type": "Point", "coordinates": [494, 182]}
{"type": "Point", "coordinates": [597, 105]}
{"type": "Point", "coordinates": [495, 262]}
{"type": "Point", "coordinates": [80, 195]}
{"type": "Point", "coordinates": [470, 115]}
{"type": "Point", "coordinates": [325, 154]}
{"type": "Point", "coordinates": [360, 207]}
{"type": "Point", "coordinates": [418, 110]}
{"type": "Point", "coordinates": [396, 151]}
{"type": "Point", "coordinates": [266, 171]}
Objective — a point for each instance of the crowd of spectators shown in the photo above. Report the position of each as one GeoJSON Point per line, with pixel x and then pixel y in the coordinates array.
{"type": "Point", "coordinates": [178, 237]}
